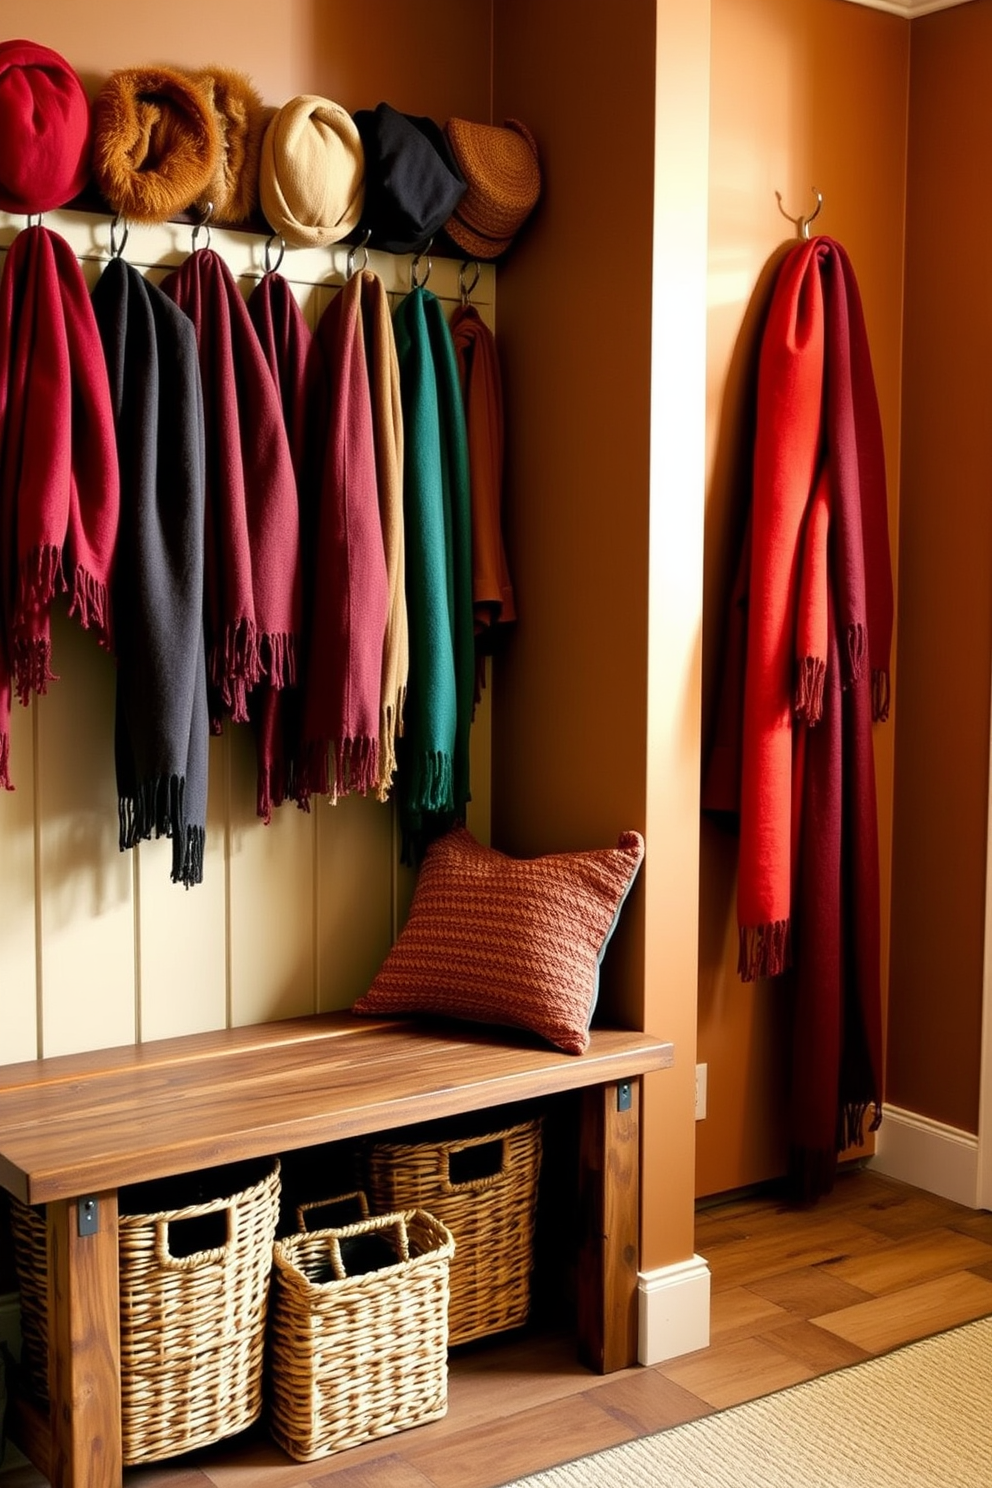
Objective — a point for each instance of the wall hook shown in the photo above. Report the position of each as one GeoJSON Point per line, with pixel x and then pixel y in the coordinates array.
{"type": "Point", "coordinates": [415, 279]}
{"type": "Point", "coordinates": [353, 252]}
{"type": "Point", "coordinates": [802, 224]}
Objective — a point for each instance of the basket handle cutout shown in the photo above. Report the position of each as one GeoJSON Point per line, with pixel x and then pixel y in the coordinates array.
{"type": "Point", "coordinates": [342, 1209]}
{"type": "Point", "coordinates": [189, 1241]}
{"type": "Point", "coordinates": [477, 1163]}
{"type": "Point", "coordinates": [342, 1242]}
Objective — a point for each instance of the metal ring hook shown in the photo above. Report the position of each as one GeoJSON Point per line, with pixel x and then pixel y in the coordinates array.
{"type": "Point", "coordinates": [31, 216]}
{"type": "Point", "coordinates": [353, 252]}
{"type": "Point", "coordinates": [117, 249]}
{"type": "Point", "coordinates": [415, 280]}
{"type": "Point", "coordinates": [465, 290]}
{"type": "Point", "coordinates": [205, 224]}
{"type": "Point", "coordinates": [270, 267]}
{"type": "Point", "coordinates": [802, 224]}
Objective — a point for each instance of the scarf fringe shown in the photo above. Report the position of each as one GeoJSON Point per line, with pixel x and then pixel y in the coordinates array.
{"type": "Point", "coordinates": [5, 762]}
{"type": "Point", "coordinates": [356, 765]}
{"type": "Point", "coordinates": [277, 658]}
{"type": "Point", "coordinates": [857, 652]}
{"type": "Point", "coordinates": [812, 674]}
{"type": "Point", "coordinates": [851, 1122]}
{"type": "Point", "coordinates": [764, 950]}
{"type": "Point", "coordinates": [880, 694]}
{"type": "Point", "coordinates": [31, 652]}
{"type": "Point", "coordinates": [235, 667]}
{"type": "Point", "coordinates": [156, 810]}
{"type": "Point", "coordinates": [392, 729]}
{"type": "Point", "coordinates": [431, 781]}
{"type": "Point", "coordinates": [187, 866]}
{"type": "Point", "coordinates": [91, 604]}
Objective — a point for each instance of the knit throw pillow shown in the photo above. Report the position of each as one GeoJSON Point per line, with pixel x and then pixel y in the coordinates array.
{"type": "Point", "coordinates": [513, 941]}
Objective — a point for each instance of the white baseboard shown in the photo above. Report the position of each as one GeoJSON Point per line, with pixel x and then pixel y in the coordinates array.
{"type": "Point", "coordinates": [673, 1310]}
{"type": "Point", "coordinates": [941, 1159]}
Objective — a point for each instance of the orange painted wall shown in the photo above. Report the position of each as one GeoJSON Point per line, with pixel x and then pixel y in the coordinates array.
{"type": "Point", "coordinates": [942, 755]}
{"type": "Point", "coordinates": [434, 61]}
{"type": "Point", "coordinates": [805, 93]}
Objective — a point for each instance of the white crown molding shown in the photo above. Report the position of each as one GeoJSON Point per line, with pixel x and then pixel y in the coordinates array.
{"type": "Point", "coordinates": [909, 8]}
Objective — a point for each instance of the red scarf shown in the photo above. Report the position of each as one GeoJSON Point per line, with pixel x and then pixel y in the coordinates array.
{"type": "Point", "coordinates": [252, 550]}
{"type": "Point", "coordinates": [815, 585]}
{"type": "Point", "coordinates": [59, 481]}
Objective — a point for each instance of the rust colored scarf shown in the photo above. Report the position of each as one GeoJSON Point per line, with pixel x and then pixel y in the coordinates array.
{"type": "Point", "coordinates": [482, 391]}
{"type": "Point", "coordinates": [59, 481]}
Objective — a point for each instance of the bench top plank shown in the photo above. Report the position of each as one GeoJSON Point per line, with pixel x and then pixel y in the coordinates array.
{"type": "Point", "coordinates": [85, 1123]}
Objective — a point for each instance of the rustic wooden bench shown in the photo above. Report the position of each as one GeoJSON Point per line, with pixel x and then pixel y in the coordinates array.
{"type": "Point", "coordinates": [76, 1128]}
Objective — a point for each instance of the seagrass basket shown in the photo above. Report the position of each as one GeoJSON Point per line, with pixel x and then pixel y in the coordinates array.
{"type": "Point", "coordinates": [483, 1187]}
{"type": "Point", "coordinates": [194, 1282]}
{"type": "Point", "coordinates": [195, 1259]}
{"type": "Point", "coordinates": [30, 1239]}
{"type": "Point", "coordinates": [358, 1332]}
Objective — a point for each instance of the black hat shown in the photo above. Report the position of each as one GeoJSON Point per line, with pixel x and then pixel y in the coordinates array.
{"type": "Point", "coordinates": [412, 181]}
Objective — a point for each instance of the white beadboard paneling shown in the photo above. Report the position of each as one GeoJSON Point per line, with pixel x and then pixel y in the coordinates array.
{"type": "Point", "coordinates": [18, 968]}
{"type": "Point", "coordinates": [270, 888]}
{"type": "Point", "coordinates": [290, 918]}
{"type": "Point", "coordinates": [354, 886]}
{"type": "Point", "coordinates": [86, 904]}
{"type": "Point", "coordinates": [182, 933]}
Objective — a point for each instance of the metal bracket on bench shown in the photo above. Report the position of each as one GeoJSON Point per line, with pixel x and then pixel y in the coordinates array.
{"type": "Point", "coordinates": [624, 1096]}
{"type": "Point", "coordinates": [88, 1212]}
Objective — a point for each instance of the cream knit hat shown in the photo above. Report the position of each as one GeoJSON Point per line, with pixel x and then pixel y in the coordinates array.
{"type": "Point", "coordinates": [312, 172]}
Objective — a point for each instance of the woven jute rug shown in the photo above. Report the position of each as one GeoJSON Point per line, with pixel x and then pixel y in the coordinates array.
{"type": "Point", "coordinates": [920, 1417]}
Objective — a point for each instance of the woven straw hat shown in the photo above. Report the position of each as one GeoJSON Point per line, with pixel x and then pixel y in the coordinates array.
{"type": "Point", "coordinates": [503, 175]}
{"type": "Point", "coordinates": [312, 172]}
{"type": "Point", "coordinates": [45, 131]}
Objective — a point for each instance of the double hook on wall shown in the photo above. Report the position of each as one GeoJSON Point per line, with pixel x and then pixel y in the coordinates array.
{"type": "Point", "coordinates": [801, 224]}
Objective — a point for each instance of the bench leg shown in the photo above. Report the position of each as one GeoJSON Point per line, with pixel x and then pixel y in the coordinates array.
{"type": "Point", "coordinates": [84, 1347]}
{"type": "Point", "coordinates": [609, 1180]}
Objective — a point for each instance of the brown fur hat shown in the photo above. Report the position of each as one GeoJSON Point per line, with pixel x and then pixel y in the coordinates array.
{"type": "Point", "coordinates": [155, 142]}
{"type": "Point", "coordinates": [241, 119]}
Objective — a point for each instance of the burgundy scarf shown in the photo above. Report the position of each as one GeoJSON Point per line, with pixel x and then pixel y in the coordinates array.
{"type": "Point", "coordinates": [59, 481]}
{"type": "Point", "coordinates": [813, 609]}
{"type": "Point", "coordinates": [252, 559]}
{"type": "Point", "coordinates": [285, 338]}
{"type": "Point", "coordinates": [350, 604]}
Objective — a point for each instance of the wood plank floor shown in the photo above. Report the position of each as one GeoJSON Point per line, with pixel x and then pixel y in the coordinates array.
{"type": "Point", "coordinates": [795, 1293]}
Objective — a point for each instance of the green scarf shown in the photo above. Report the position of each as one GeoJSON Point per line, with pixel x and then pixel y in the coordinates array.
{"type": "Point", "coordinates": [434, 754]}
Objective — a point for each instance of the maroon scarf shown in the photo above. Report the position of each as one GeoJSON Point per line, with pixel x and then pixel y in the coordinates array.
{"type": "Point", "coordinates": [252, 558]}
{"type": "Point", "coordinates": [284, 337]}
{"type": "Point", "coordinates": [59, 480]}
{"type": "Point", "coordinates": [840, 617]}
{"type": "Point", "coordinates": [351, 599]}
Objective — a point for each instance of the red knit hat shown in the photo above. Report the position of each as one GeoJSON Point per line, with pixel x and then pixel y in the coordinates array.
{"type": "Point", "coordinates": [44, 129]}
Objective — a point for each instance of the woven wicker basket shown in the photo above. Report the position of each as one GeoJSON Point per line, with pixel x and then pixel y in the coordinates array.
{"type": "Point", "coordinates": [30, 1237]}
{"type": "Point", "coordinates": [484, 1188]}
{"type": "Point", "coordinates": [354, 1357]}
{"type": "Point", "coordinates": [193, 1324]}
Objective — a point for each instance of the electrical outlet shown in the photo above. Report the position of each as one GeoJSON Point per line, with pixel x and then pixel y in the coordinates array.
{"type": "Point", "coordinates": [700, 1092]}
